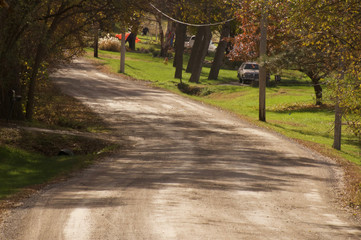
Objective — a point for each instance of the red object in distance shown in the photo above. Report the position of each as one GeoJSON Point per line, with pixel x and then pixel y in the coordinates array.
{"type": "Point", "coordinates": [119, 36]}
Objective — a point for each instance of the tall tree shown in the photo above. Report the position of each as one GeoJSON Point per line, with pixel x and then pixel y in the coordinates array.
{"type": "Point", "coordinates": [169, 37]}
{"type": "Point", "coordinates": [13, 27]}
{"type": "Point", "coordinates": [159, 20]}
{"type": "Point", "coordinates": [285, 48]}
{"type": "Point", "coordinates": [334, 28]}
{"type": "Point", "coordinates": [170, 8]}
{"type": "Point", "coordinates": [37, 34]}
{"type": "Point", "coordinates": [322, 31]}
{"type": "Point", "coordinates": [205, 12]}
{"type": "Point", "coordinates": [220, 52]}
{"type": "Point", "coordinates": [196, 49]}
{"type": "Point", "coordinates": [198, 62]}
{"type": "Point", "coordinates": [179, 49]}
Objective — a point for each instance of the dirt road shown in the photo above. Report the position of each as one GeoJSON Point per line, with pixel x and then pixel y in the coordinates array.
{"type": "Point", "coordinates": [193, 172]}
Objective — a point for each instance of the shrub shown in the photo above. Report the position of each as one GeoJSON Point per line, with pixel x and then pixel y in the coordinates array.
{"type": "Point", "coordinates": [143, 50]}
{"type": "Point", "coordinates": [109, 43]}
{"type": "Point", "coordinates": [190, 90]}
{"type": "Point", "coordinates": [156, 53]}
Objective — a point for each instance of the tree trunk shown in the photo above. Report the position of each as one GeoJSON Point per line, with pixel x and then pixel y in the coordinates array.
{"type": "Point", "coordinates": [96, 40]}
{"type": "Point", "coordinates": [39, 57]}
{"type": "Point", "coordinates": [218, 58]}
{"type": "Point", "coordinates": [318, 91]}
{"type": "Point", "coordinates": [169, 35]}
{"type": "Point", "coordinates": [179, 49]}
{"type": "Point", "coordinates": [198, 62]}
{"type": "Point", "coordinates": [32, 82]}
{"type": "Point", "coordinates": [263, 70]}
{"type": "Point", "coordinates": [195, 49]}
{"type": "Point", "coordinates": [158, 18]}
{"type": "Point", "coordinates": [9, 62]}
{"type": "Point", "coordinates": [315, 78]}
{"type": "Point", "coordinates": [9, 81]}
{"type": "Point", "coordinates": [131, 40]}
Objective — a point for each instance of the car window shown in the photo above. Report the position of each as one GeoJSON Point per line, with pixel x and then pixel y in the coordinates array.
{"type": "Point", "coordinates": [251, 66]}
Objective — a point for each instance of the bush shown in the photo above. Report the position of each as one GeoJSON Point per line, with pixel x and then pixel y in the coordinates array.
{"type": "Point", "coordinates": [156, 53]}
{"type": "Point", "coordinates": [109, 43]}
{"type": "Point", "coordinates": [190, 90]}
{"type": "Point", "coordinates": [143, 50]}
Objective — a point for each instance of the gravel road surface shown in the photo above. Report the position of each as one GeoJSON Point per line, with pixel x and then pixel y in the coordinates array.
{"type": "Point", "coordinates": [192, 172]}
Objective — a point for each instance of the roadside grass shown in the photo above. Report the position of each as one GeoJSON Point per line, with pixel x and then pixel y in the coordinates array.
{"type": "Point", "coordinates": [291, 111]}
{"type": "Point", "coordinates": [20, 169]}
{"type": "Point", "coordinates": [29, 158]}
{"type": "Point", "coordinates": [147, 42]}
{"type": "Point", "coordinates": [29, 150]}
{"type": "Point", "coordinates": [144, 66]}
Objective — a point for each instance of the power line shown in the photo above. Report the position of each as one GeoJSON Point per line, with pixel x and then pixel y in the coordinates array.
{"type": "Point", "coordinates": [190, 24]}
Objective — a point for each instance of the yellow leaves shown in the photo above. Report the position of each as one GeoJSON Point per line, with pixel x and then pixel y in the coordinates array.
{"type": "Point", "coordinates": [27, 66]}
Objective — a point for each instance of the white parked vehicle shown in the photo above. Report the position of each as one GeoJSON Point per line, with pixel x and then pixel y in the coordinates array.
{"type": "Point", "coordinates": [189, 44]}
{"type": "Point", "coordinates": [248, 72]}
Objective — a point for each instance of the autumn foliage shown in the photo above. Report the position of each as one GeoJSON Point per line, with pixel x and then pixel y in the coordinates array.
{"type": "Point", "coordinates": [320, 38]}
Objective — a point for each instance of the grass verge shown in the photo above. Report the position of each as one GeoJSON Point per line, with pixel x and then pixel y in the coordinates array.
{"type": "Point", "coordinates": [21, 169]}
{"type": "Point", "coordinates": [29, 150]}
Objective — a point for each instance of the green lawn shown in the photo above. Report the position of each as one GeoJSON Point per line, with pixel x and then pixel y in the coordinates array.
{"type": "Point", "coordinates": [20, 169]}
{"type": "Point", "coordinates": [290, 105]}
{"type": "Point", "coordinates": [144, 66]}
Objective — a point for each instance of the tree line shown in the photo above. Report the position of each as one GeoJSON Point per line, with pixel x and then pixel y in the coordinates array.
{"type": "Point", "coordinates": [37, 35]}
{"type": "Point", "coordinates": [319, 38]}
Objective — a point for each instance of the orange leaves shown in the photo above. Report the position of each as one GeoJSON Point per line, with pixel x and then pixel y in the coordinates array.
{"type": "Point", "coordinates": [247, 42]}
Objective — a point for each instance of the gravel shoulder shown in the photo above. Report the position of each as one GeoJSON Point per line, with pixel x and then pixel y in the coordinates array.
{"type": "Point", "coordinates": [193, 172]}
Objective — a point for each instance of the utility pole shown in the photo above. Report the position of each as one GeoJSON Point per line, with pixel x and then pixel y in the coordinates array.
{"type": "Point", "coordinates": [338, 110]}
{"type": "Point", "coordinates": [122, 52]}
{"type": "Point", "coordinates": [263, 70]}
{"type": "Point", "coordinates": [338, 125]}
